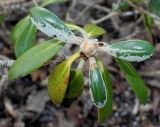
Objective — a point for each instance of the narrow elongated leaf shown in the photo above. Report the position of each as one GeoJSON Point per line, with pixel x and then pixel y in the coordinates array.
{"type": "Point", "coordinates": [34, 58]}
{"type": "Point", "coordinates": [51, 25]}
{"type": "Point", "coordinates": [1, 19]}
{"type": "Point", "coordinates": [76, 84]}
{"type": "Point", "coordinates": [134, 80]}
{"type": "Point", "coordinates": [59, 78]}
{"type": "Point", "coordinates": [131, 50]}
{"type": "Point", "coordinates": [154, 5]}
{"type": "Point", "coordinates": [25, 41]}
{"type": "Point", "coordinates": [94, 30]}
{"type": "Point", "coordinates": [77, 28]}
{"type": "Point", "coordinates": [97, 85]}
{"type": "Point", "coordinates": [106, 111]}
{"type": "Point", "coordinates": [23, 35]}
{"type": "Point", "coordinates": [148, 23]}
{"type": "Point", "coordinates": [18, 28]}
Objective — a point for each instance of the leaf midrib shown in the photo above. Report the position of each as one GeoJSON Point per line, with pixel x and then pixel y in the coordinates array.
{"type": "Point", "coordinates": [61, 75]}
{"type": "Point", "coordinates": [38, 54]}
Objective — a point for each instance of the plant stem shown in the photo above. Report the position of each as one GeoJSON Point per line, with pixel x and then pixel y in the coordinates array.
{"type": "Point", "coordinates": [108, 16]}
{"type": "Point", "coordinates": [81, 64]}
{"type": "Point", "coordinates": [140, 9]}
{"type": "Point", "coordinates": [35, 3]}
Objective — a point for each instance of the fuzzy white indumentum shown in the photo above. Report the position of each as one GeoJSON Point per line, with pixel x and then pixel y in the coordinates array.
{"type": "Point", "coordinates": [89, 47]}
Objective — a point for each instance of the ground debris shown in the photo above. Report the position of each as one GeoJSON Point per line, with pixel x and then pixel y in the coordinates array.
{"type": "Point", "coordinates": [25, 103]}
{"type": "Point", "coordinates": [37, 100]}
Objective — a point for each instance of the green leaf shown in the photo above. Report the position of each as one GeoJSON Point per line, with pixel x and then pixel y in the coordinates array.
{"type": "Point", "coordinates": [123, 6]}
{"type": "Point", "coordinates": [51, 25]}
{"type": "Point", "coordinates": [23, 35]}
{"type": "Point", "coordinates": [106, 111]}
{"type": "Point", "coordinates": [77, 28]}
{"type": "Point", "coordinates": [148, 23]}
{"type": "Point", "coordinates": [97, 85]}
{"type": "Point", "coordinates": [59, 78]}
{"type": "Point", "coordinates": [34, 58]}
{"type": "Point", "coordinates": [1, 19]}
{"type": "Point", "coordinates": [18, 28]}
{"type": "Point", "coordinates": [25, 41]}
{"type": "Point", "coordinates": [136, 1]}
{"type": "Point", "coordinates": [94, 30]}
{"type": "Point", "coordinates": [131, 50]}
{"type": "Point", "coordinates": [76, 84]}
{"type": "Point", "coordinates": [154, 6]}
{"type": "Point", "coordinates": [47, 2]}
{"type": "Point", "coordinates": [134, 80]}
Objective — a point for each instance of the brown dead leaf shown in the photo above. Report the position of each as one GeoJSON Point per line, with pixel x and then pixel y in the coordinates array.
{"type": "Point", "coordinates": [37, 100]}
{"type": "Point", "coordinates": [37, 75]}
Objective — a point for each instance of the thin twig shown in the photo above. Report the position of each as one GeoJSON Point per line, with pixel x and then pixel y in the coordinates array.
{"type": "Point", "coordinates": [4, 35]}
{"type": "Point", "coordinates": [86, 9]}
{"type": "Point", "coordinates": [154, 74]}
{"type": "Point", "coordinates": [73, 4]}
{"type": "Point", "coordinates": [140, 9]}
{"type": "Point", "coordinates": [6, 63]}
{"type": "Point", "coordinates": [88, 6]}
{"type": "Point", "coordinates": [98, 7]}
{"type": "Point", "coordinates": [102, 8]}
{"type": "Point", "coordinates": [35, 3]}
{"type": "Point", "coordinates": [105, 18]}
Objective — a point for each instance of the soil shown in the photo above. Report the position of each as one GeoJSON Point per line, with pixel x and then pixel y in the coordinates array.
{"type": "Point", "coordinates": [25, 103]}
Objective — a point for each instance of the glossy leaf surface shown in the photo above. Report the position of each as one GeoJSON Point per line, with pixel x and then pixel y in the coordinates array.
{"type": "Point", "coordinates": [97, 86]}
{"type": "Point", "coordinates": [134, 80]}
{"type": "Point", "coordinates": [76, 84]}
{"type": "Point", "coordinates": [131, 50]}
{"type": "Point", "coordinates": [94, 30]}
{"type": "Point", "coordinates": [59, 78]}
{"type": "Point", "coordinates": [34, 58]}
{"type": "Point", "coordinates": [50, 24]}
{"type": "Point", "coordinates": [106, 111]}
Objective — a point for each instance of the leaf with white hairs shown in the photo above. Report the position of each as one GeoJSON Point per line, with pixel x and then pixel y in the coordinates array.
{"type": "Point", "coordinates": [51, 25]}
{"type": "Point", "coordinates": [131, 50]}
